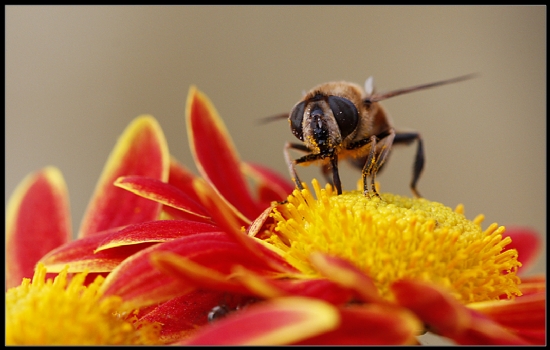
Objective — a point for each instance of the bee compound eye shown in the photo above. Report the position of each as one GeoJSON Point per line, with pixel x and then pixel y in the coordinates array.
{"type": "Point", "coordinates": [345, 113]}
{"type": "Point", "coordinates": [296, 117]}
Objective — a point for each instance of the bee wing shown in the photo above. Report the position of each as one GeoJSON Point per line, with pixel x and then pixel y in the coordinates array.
{"type": "Point", "coordinates": [386, 95]}
{"type": "Point", "coordinates": [369, 86]}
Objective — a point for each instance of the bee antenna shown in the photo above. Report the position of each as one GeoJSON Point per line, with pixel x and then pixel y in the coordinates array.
{"type": "Point", "coordinates": [386, 95]}
{"type": "Point", "coordinates": [272, 118]}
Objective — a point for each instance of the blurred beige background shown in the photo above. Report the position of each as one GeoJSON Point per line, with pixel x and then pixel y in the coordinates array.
{"type": "Point", "coordinates": [77, 75]}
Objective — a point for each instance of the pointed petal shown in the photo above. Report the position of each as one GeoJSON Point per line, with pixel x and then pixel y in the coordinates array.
{"type": "Point", "coordinates": [347, 275]}
{"type": "Point", "coordinates": [154, 232]}
{"type": "Point", "coordinates": [80, 256]}
{"type": "Point", "coordinates": [37, 221]}
{"type": "Point", "coordinates": [215, 155]}
{"type": "Point", "coordinates": [230, 224]}
{"type": "Point", "coordinates": [275, 186]}
{"type": "Point", "coordinates": [275, 322]}
{"type": "Point", "coordinates": [140, 150]}
{"type": "Point", "coordinates": [161, 192]}
{"type": "Point", "coordinates": [528, 244]}
{"type": "Point", "coordinates": [447, 317]}
{"type": "Point", "coordinates": [371, 324]}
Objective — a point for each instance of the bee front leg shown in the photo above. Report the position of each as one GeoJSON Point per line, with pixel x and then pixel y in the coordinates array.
{"type": "Point", "coordinates": [335, 174]}
{"type": "Point", "coordinates": [291, 163]}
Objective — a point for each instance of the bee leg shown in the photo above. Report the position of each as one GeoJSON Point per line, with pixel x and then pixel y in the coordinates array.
{"type": "Point", "coordinates": [408, 138]}
{"type": "Point", "coordinates": [291, 164]}
{"type": "Point", "coordinates": [305, 159]}
{"type": "Point", "coordinates": [383, 149]}
{"type": "Point", "coordinates": [368, 166]}
{"type": "Point", "coordinates": [335, 174]}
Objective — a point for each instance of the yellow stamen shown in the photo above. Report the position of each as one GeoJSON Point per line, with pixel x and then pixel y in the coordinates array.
{"type": "Point", "coordinates": [398, 237]}
{"type": "Point", "coordinates": [53, 313]}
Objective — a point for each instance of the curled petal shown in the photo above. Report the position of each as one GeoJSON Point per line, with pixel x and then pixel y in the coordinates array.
{"type": "Point", "coordinates": [140, 150]}
{"type": "Point", "coordinates": [257, 224]}
{"type": "Point", "coordinates": [371, 324]}
{"type": "Point", "coordinates": [154, 232]}
{"type": "Point", "coordinates": [164, 193]}
{"type": "Point", "coordinates": [275, 322]}
{"type": "Point", "coordinates": [216, 156]}
{"type": "Point", "coordinates": [37, 221]}
{"type": "Point", "coordinates": [80, 256]}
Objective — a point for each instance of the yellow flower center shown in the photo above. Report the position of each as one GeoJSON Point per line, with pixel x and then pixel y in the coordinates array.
{"type": "Point", "coordinates": [51, 313]}
{"type": "Point", "coordinates": [397, 237]}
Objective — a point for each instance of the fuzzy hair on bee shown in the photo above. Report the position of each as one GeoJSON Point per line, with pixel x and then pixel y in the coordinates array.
{"type": "Point", "coordinates": [342, 120]}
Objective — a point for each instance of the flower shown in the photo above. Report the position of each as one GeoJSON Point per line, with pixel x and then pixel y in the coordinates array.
{"type": "Point", "coordinates": [81, 317]}
{"type": "Point", "coordinates": [357, 262]}
{"type": "Point", "coordinates": [409, 257]}
{"type": "Point", "coordinates": [118, 224]}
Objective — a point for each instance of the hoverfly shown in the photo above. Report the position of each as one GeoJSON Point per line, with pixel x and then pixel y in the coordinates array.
{"type": "Point", "coordinates": [340, 120]}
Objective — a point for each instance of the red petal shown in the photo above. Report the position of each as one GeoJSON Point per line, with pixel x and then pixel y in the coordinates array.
{"type": "Point", "coordinates": [371, 324]}
{"type": "Point", "coordinates": [527, 242]}
{"type": "Point", "coordinates": [182, 178]}
{"type": "Point", "coordinates": [347, 275]}
{"type": "Point", "coordinates": [162, 192]}
{"type": "Point", "coordinates": [182, 315]}
{"type": "Point", "coordinates": [37, 221]}
{"type": "Point", "coordinates": [194, 274]}
{"type": "Point", "coordinates": [525, 312]}
{"type": "Point", "coordinates": [229, 223]}
{"type": "Point", "coordinates": [80, 256]}
{"type": "Point", "coordinates": [140, 150]}
{"type": "Point", "coordinates": [215, 155]}
{"type": "Point", "coordinates": [139, 283]}
{"type": "Point", "coordinates": [275, 186]}
{"type": "Point", "coordinates": [447, 317]}
{"type": "Point", "coordinates": [269, 288]}
{"type": "Point", "coordinates": [155, 231]}
{"type": "Point", "coordinates": [482, 331]}
{"type": "Point", "coordinates": [276, 322]}
{"type": "Point", "coordinates": [533, 284]}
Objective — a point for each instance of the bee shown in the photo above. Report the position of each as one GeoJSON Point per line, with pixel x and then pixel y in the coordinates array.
{"type": "Point", "coordinates": [340, 120]}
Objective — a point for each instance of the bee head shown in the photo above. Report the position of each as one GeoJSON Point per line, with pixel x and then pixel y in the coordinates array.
{"type": "Point", "coordinates": [322, 122]}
